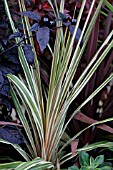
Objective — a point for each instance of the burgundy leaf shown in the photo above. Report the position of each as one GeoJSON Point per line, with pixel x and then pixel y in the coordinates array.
{"type": "Point", "coordinates": [44, 76]}
{"type": "Point", "coordinates": [83, 118]}
{"type": "Point", "coordinates": [10, 123]}
{"type": "Point", "coordinates": [107, 66]}
{"type": "Point", "coordinates": [31, 15]}
{"type": "Point", "coordinates": [42, 37]}
{"type": "Point", "coordinates": [74, 145]}
{"type": "Point", "coordinates": [108, 23]}
{"type": "Point", "coordinates": [93, 41]}
{"type": "Point", "coordinates": [15, 35]}
{"type": "Point", "coordinates": [34, 27]}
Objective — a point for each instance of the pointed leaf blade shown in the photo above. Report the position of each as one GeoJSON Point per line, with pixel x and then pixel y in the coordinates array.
{"type": "Point", "coordinates": [37, 163]}
{"type": "Point", "coordinates": [11, 165]}
{"type": "Point", "coordinates": [18, 148]}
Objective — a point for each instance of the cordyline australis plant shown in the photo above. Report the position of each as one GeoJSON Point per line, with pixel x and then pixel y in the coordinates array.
{"type": "Point", "coordinates": [45, 122]}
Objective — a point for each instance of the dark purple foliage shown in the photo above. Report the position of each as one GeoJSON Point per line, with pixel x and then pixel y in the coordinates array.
{"type": "Point", "coordinates": [5, 41]}
{"type": "Point", "coordinates": [6, 69]}
{"type": "Point", "coordinates": [1, 79]}
{"type": "Point", "coordinates": [9, 64]}
{"type": "Point", "coordinates": [78, 34]}
{"type": "Point", "coordinates": [42, 37]}
{"type": "Point", "coordinates": [11, 134]}
{"type": "Point", "coordinates": [31, 15]}
{"type": "Point", "coordinates": [34, 27]}
{"type": "Point", "coordinates": [66, 24]}
{"type": "Point", "coordinates": [3, 25]}
{"type": "Point", "coordinates": [27, 2]}
{"type": "Point", "coordinates": [16, 35]}
{"type": "Point", "coordinates": [28, 53]}
{"type": "Point", "coordinates": [5, 88]}
{"type": "Point", "coordinates": [13, 57]}
{"type": "Point", "coordinates": [6, 102]}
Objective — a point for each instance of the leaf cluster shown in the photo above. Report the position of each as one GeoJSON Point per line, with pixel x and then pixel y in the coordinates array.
{"type": "Point", "coordinates": [89, 163]}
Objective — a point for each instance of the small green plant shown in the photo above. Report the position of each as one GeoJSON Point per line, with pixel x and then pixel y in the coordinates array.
{"type": "Point", "coordinates": [89, 163]}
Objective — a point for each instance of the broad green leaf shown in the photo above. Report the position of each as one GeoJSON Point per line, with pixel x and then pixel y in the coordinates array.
{"type": "Point", "coordinates": [84, 159]}
{"type": "Point", "coordinates": [99, 160]}
{"type": "Point", "coordinates": [102, 144]}
{"type": "Point", "coordinates": [92, 162]}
